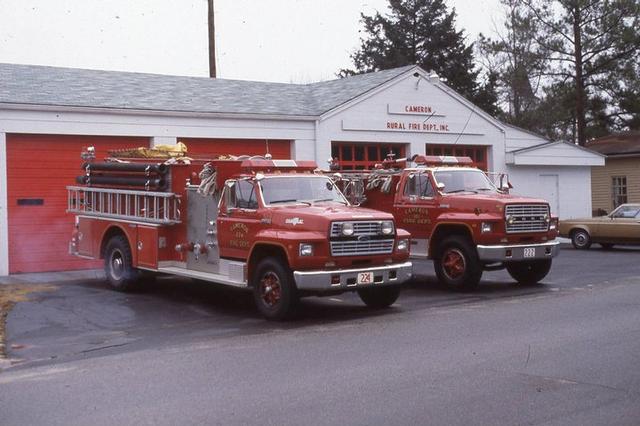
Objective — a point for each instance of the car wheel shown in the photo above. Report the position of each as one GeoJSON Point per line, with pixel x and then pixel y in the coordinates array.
{"type": "Point", "coordinates": [606, 246]}
{"type": "Point", "coordinates": [120, 273]}
{"type": "Point", "coordinates": [381, 297]}
{"type": "Point", "coordinates": [457, 264]}
{"type": "Point", "coordinates": [274, 291]}
{"type": "Point", "coordinates": [529, 273]}
{"type": "Point", "coordinates": [580, 239]}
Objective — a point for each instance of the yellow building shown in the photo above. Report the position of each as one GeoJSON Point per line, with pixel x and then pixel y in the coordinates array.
{"type": "Point", "coordinates": [618, 181]}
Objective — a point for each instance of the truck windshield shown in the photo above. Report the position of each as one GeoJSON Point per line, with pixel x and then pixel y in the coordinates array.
{"type": "Point", "coordinates": [300, 189]}
{"type": "Point", "coordinates": [464, 180]}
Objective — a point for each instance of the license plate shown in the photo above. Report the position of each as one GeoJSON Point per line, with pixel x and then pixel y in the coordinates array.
{"type": "Point", "coordinates": [365, 278]}
{"type": "Point", "coordinates": [529, 252]}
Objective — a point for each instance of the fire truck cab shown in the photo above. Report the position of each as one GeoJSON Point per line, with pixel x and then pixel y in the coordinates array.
{"type": "Point", "coordinates": [459, 217]}
{"type": "Point", "coordinates": [272, 226]}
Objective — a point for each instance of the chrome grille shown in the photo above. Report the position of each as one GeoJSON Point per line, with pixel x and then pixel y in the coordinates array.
{"type": "Point", "coordinates": [527, 217]}
{"type": "Point", "coordinates": [359, 228]}
{"type": "Point", "coordinates": [361, 248]}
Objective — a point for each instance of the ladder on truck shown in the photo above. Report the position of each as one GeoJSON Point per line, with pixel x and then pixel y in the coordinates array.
{"type": "Point", "coordinates": [161, 208]}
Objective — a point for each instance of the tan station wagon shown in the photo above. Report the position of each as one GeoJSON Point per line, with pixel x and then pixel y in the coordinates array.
{"type": "Point", "coordinates": [621, 226]}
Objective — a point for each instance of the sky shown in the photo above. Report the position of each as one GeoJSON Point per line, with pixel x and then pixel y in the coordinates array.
{"type": "Point", "coordinates": [289, 41]}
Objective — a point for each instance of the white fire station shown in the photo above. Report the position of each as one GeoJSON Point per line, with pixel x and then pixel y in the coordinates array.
{"type": "Point", "coordinates": [48, 115]}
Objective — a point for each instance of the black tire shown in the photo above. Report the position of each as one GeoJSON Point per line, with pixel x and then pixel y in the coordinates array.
{"type": "Point", "coordinates": [580, 239]}
{"type": "Point", "coordinates": [457, 264]}
{"type": "Point", "coordinates": [274, 291]}
{"type": "Point", "coordinates": [529, 273]}
{"type": "Point", "coordinates": [606, 246]}
{"type": "Point", "coordinates": [117, 264]}
{"type": "Point", "coordinates": [380, 297]}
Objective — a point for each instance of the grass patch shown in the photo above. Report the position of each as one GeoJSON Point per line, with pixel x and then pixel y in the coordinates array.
{"type": "Point", "coordinates": [9, 296]}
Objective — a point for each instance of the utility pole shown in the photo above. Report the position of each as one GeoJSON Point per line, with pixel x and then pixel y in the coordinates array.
{"type": "Point", "coordinates": [212, 41]}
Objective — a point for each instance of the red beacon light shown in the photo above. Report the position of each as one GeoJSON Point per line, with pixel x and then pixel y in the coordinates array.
{"type": "Point", "coordinates": [442, 160]}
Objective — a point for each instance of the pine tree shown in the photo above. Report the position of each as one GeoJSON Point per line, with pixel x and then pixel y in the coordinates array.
{"type": "Point", "coordinates": [591, 44]}
{"type": "Point", "coordinates": [421, 32]}
{"type": "Point", "coordinates": [518, 63]}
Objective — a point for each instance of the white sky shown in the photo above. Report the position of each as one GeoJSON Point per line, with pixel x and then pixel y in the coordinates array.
{"type": "Point", "coordinates": [267, 40]}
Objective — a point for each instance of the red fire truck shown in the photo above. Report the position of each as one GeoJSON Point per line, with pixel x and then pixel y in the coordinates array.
{"type": "Point", "coordinates": [460, 218]}
{"type": "Point", "coordinates": [273, 226]}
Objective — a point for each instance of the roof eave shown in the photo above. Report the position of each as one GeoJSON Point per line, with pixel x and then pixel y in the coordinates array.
{"type": "Point", "coordinates": [165, 113]}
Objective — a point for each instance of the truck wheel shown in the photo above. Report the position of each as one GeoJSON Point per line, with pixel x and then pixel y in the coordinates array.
{"type": "Point", "coordinates": [117, 264]}
{"type": "Point", "coordinates": [457, 264]}
{"type": "Point", "coordinates": [274, 290]}
{"type": "Point", "coordinates": [528, 273]}
{"type": "Point", "coordinates": [381, 297]}
{"type": "Point", "coordinates": [580, 239]}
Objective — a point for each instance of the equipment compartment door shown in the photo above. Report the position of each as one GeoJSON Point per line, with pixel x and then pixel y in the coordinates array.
{"type": "Point", "coordinates": [202, 232]}
{"type": "Point", "coordinates": [147, 246]}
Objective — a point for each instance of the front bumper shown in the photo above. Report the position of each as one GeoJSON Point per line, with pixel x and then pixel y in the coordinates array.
{"type": "Point", "coordinates": [517, 253]}
{"type": "Point", "coordinates": [322, 280]}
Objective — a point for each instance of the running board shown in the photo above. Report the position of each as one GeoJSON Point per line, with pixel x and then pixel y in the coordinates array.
{"type": "Point", "coordinates": [205, 276]}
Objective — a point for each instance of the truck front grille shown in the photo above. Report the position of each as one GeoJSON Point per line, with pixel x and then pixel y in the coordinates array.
{"type": "Point", "coordinates": [359, 228]}
{"type": "Point", "coordinates": [527, 218]}
{"type": "Point", "coordinates": [367, 239]}
{"type": "Point", "coordinates": [361, 248]}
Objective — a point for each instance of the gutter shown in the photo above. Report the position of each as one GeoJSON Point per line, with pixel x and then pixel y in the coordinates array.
{"type": "Point", "coordinates": [165, 113]}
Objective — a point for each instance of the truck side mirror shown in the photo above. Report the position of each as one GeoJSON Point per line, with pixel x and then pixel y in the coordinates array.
{"type": "Point", "coordinates": [440, 186]}
{"type": "Point", "coordinates": [505, 186]}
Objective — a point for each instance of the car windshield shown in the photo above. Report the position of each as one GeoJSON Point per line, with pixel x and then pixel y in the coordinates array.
{"type": "Point", "coordinates": [463, 180]}
{"type": "Point", "coordinates": [300, 189]}
{"type": "Point", "coordinates": [629, 212]}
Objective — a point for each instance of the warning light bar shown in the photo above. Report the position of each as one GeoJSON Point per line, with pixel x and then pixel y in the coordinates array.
{"type": "Point", "coordinates": [268, 165]}
{"type": "Point", "coordinates": [442, 160]}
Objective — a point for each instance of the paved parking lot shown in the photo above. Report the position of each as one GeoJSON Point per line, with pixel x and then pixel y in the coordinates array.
{"type": "Point", "coordinates": [582, 318]}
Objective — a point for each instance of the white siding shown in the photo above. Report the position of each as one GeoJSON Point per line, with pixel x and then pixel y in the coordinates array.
{"type": "Point", "coordinates": [150, 125]}
{"type": "Point", "coordinates": [557, 154]}
{"type": "Point", "coordinates": [365, 121]}
{"type": "Point", "coordinates": [574, 187]}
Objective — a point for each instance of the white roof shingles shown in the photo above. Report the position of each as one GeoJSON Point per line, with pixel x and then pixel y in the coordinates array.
{"type": "Point", "coordinates": [53, 86]}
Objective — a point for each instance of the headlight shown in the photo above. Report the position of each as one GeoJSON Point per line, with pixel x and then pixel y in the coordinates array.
{"type": "Point", "coordinates": [510, 219]}
{"type": "Point", "coordinates": [347, 229]}
{"type": "Point", "coordinates": [553, 224]}
{"type": "Point", "coordinates": [547, 218]}
{"type": "Point", "coordinates": [403, 245]}
{"type": "Point", "coordinates": [306, 249]}
{"type": "Point", "coordinates": [386, 227]}
{"type": "Point", "coordinates": [486, 227]}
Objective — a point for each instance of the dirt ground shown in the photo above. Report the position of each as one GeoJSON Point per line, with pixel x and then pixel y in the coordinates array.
{"type": "Point", "coordinates": [9, 296]}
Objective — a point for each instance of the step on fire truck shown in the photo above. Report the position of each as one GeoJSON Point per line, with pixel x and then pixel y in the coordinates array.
{"type": "Point", "coordinates": [459, 217]}
{"type": "Point", "coordinates": [273, 226]}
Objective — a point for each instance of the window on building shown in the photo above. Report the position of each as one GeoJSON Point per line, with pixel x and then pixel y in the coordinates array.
{"type": "Point", "coordinates": [363, 156]}
{"type": "Point", "coordinates": [477, 153]}
{"type": "Point", "coordinates": [619, 190]}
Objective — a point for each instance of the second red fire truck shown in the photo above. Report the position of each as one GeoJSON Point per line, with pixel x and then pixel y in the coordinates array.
{"type": "Point", "coordinates": [460, 218]}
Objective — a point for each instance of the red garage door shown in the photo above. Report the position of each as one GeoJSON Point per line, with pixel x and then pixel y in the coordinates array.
{"type": "Point", "coordinates": [39, 167]}
{"type": "Point", "coordinates": [280, 149]}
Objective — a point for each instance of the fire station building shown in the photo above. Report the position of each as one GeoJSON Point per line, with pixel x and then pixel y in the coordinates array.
{"type": "Point", "coordinates": [48, 115]}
